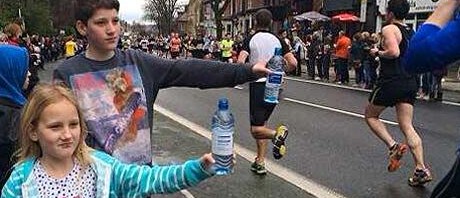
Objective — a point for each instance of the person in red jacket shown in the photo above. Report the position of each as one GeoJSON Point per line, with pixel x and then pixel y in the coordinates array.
{"type": "Point", "coordinates": [341, 53]}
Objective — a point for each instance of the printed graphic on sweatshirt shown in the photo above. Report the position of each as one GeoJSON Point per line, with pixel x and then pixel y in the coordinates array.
{"type": "Point", "coordinates": [114, 104]}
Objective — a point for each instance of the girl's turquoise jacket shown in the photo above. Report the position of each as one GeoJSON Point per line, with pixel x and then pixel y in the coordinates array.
{"type": "Point", "coordinates": [115, 179]}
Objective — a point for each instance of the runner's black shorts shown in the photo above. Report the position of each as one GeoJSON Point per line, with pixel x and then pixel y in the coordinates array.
{"type": "Point", "coordinates": [259, 110]}
{"type": "Point", "coordinates": [390, 93]}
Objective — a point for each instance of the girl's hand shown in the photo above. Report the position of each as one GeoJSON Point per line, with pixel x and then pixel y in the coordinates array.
{"type": "Point", "coordinates": [207, 161]}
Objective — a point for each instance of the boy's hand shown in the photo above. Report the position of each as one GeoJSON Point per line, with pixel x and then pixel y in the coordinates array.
{"type": "Point", "coordinates": [260, 68]}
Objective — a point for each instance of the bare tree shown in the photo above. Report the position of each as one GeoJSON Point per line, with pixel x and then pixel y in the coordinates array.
{"type": "Point", "coordinates": [63, 13]}
{"type": "Point", "coordinates": [219, 7]}
{"type": "Point", "coordinates": [161, 12]}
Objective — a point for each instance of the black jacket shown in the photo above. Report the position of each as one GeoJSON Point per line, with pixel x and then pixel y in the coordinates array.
{"type": "Point", "coordinates": [9, 122]}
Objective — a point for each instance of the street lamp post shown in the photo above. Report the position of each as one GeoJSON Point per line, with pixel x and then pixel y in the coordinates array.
{"type": "Point", "coordinates": [23, 23]}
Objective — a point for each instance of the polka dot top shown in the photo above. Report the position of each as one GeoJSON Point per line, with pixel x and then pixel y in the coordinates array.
{"type": "Point", "coordinates": [68, 187]}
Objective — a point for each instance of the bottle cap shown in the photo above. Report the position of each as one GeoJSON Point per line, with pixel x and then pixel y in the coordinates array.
{"type": "Point", "coordinates": [223, 104]}
{"type": "Point", "coordinates": [278, 51]}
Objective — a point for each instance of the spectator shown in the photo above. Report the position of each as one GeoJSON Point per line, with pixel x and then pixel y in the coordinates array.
{"type": "Point", "coordinates": [52, 146]}
{"type": "Point", "coordinates": [341, 53]}
{"type": "Point", "coordinates": [13, 31]}
{"type": "Point", "coordinates": [356, 56]}
{"type": "Point", "coordinates": [70, 47]}
{"type": "Point", "coordinates": [126, 82]}
{"type": "Point", "coordinates": [13, 80]}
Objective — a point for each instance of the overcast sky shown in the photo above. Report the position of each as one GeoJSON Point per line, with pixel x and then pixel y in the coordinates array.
{"type": "Point", "coordinates": [132, 10]}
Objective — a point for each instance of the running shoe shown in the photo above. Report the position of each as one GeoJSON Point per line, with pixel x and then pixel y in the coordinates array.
{"type": "Point", "coordinates": [279, 142]}
{"type": "Point", "coordinates": [420, 177]}
{"type": "Point", "coordinates": [396, 153]}
{"type": "Point", "coordinates": [258, 168]}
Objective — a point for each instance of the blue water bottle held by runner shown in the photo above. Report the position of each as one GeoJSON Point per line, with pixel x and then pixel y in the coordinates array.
{"type": "Point", "coordinates": [223, 127]}
{"type": "Point", "coordinates": [274, 80]}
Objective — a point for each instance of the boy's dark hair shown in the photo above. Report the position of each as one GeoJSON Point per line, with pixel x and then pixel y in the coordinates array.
{"type": "Point", "coordinates": [86, 8]}
{"type": "Point", "coordinates": [263, 18]}
{"type": "Point", "coordinates": [399, 8]}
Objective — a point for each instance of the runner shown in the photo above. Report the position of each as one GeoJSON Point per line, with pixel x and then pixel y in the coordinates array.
{"type": "Point", "coordinates": [396, 88]}
{"type": "Point", "coordinates": [261, 47]}
{"type": "Point", "coordinates": [226, 48]}
{"type": "Point", "coordinates": [438, 34]}
{"type": "Point", "coordinates": [175, 45]}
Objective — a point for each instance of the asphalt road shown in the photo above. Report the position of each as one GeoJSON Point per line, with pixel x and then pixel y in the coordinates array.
{"type": "Point", "coordinates": [331, 148]}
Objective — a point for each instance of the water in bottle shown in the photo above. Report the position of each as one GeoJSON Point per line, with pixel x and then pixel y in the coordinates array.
{"type": "Point", "coordinates": [223, 126]}
{"type": "Point", "coordinates": [272, 86]}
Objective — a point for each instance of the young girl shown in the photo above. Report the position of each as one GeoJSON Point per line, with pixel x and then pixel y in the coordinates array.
{"type": "Point", "coordinates": [54, 160]}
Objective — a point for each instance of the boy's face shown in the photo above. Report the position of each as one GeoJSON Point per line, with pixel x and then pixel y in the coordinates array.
{"type": "Point", "coordinates": [102, 30]}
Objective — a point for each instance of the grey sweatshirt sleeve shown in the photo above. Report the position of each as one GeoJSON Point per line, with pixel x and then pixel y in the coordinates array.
{"type": "Point", "coordinates": [195, 72]}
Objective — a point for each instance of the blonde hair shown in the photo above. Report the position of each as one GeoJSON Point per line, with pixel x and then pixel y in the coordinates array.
{"type": "Point", "coordinates": [12, 30]}
{"type": "Point", "coordinates": [43, 96]}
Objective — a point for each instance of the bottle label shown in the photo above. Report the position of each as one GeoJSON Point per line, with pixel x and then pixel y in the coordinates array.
{"type": "Point", "coordinates": [275, 78]}
{"type": "Point", "coordinates": [222, 143]}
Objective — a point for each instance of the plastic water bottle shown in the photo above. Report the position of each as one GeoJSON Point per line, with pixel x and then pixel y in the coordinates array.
{"type": "Point", "coordinates": [223, 126]}
{"type": "Point", "coordinates": [274, 80]}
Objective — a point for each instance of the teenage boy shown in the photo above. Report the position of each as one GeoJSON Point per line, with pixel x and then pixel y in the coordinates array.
{"type": "Point", "coordinates": [116, 89]}
{"type": "Point", "coordinates": [261, 47]}
{"type": "Point", "coordinates": [396, 88]}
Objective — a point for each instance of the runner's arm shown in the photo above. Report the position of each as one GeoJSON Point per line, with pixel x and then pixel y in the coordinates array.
{"type": "Point", "coordinates": [291, 61]}
{"type": "Point", "coordinates": [390, 42]}
{"type": "Point", "coordinates": [242, 56]}
{"type": "Point", "coordinates": [436, 44]}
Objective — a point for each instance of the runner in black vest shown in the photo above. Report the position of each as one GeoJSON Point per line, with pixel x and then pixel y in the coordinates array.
{"type": "Point", "coordinates": [396, 88]}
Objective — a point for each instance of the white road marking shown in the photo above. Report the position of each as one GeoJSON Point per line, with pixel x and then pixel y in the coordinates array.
{"type": "Point", "coordinates": [327, 84]}
{"type": "Point", "coordinates": [290, 176]}
{"type": "Point", "coordinates": [451, 103]}
{"type": "Point", "coordinates": [335, 110]}
{"type": "Point", "coordinates": [187, 194]}
{"type": "Point", "coordinates": [351, 88]}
